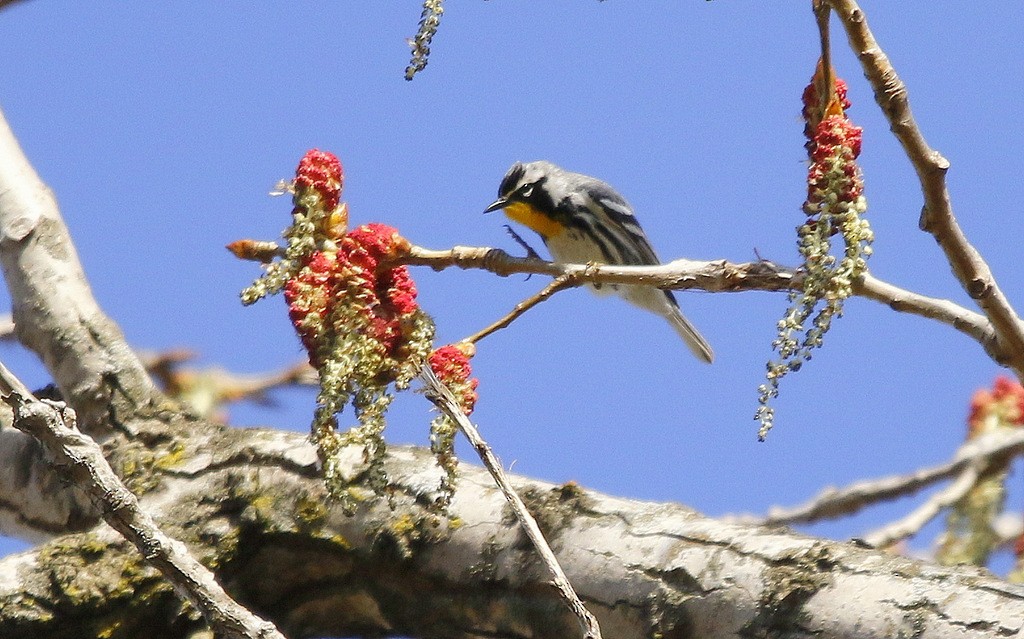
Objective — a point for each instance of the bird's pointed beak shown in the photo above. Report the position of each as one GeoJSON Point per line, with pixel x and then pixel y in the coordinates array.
{"type": "Point", "coordinates": [500, 203]}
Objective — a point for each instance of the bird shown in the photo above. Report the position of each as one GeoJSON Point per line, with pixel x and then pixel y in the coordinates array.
{"type": "Point", "coordinates": [583, 220]}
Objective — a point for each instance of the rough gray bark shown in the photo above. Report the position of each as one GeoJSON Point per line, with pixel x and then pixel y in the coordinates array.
{"type": "Point", "coordinates": [250, 505]}
{"type": "Point", "coordinates": [56, 315]}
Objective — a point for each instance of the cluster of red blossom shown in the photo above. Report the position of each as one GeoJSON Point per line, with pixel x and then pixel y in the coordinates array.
{"type": "Point", "coordinates": [386, 296]}
{"type": "Point", "coordinates": [833, 142]}
{"type": "Point", "coordinates": [451, 364]}
{"type": "Point", "coordinates": [836, 137]}
{"type": "Point", "coordinates": [321, 172]}
{"type": "Point", "coordinates": [351, 269]}
{"type": "Point", "coordinates": [347, 269]}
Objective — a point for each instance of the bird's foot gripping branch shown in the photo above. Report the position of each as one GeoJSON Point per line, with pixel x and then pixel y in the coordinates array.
{"type": "Point", "coordinates": [357, 316]}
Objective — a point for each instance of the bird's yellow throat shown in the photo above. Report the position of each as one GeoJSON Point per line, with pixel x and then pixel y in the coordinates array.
{"type": "Point", "coordinates": [533, 219]}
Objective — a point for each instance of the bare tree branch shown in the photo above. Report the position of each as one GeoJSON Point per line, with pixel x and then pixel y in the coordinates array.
{"type": "Point", "coordinates": [717, 276]}
{"type": "Point", "coordinates": [206, 391]}
{"type": "Point", "coordinates": [833, 502]}
{"type": "Point", "coordinates": [557, 284]}
{"type": "Point", "coordinates": [970, 323]}
{"type": "Point", "coordinates": [53, 425]}
{"type": "Point", "coordinates": [937, 215]}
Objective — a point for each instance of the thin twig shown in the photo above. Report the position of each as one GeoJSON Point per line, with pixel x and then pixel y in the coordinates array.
{"type": "Point", "coordinates": [557, 284]}
{"type": "Point", "coordinates": [54, 425]}
{"type": "Point", "coordinates": [718, 276]}
{"type": "Point", "coordinates": [438, 393]}
{"type": "Point", "coordinates": [915, 520]}
{"type": "Point", "coordinates": [937, 215]}
{"type": "Point", "coordinates": [836, 502]}
{"type": "Point", "coordinates": [208, 390]}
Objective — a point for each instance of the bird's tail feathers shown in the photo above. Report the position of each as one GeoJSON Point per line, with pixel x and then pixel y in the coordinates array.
{"type": "Point", "coordinates": [664, 303]}
{"type": "Point", "coordinates": [694, 340]}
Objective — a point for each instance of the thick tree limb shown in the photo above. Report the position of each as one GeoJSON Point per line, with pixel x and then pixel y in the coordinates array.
{"type": "Point", "coordinates": [36, 502]}
{"type": "Point", "coordinates": [53, 424]}
{"type": "Point", "coordinates": [252, 504]}
{"type": "Point", "coordinates": [82, 348]}
{"type": "Point", "coordinates": [56, 315]}
{"type": "Point", "coordinates": [937, 215]}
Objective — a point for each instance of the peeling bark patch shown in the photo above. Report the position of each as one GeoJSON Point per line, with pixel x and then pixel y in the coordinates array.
{"type": "Point", "coordinates": [789, 583]}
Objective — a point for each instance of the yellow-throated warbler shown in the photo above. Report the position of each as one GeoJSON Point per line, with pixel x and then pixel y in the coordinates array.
{"type": "Point", "coordinates": [582, 220]}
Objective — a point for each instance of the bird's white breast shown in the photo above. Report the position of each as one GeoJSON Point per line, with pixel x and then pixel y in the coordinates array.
{"type": "Point", "coordinates": [572, 247]}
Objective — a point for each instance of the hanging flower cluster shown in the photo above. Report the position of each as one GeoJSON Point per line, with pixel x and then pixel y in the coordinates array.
{"type": "Point", "coordinates": [970, 535]}
{"type": "Point", "coordinates": [430, 20]}
{"type": "Point", "coordinates": [451, 365]}
{"type": "Point", "coordinates": [356, 315]}
{"type": "Point", "coordinates": [835, 205]}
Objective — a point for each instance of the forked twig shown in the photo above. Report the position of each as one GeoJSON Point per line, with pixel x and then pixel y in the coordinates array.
{"type": "Point", "coordinates": [912, 522]}
{"type": "Point", "coordinates": [836, 502]}
{"type": "Point", "coordinates": [937, 215]}
{"type": "Point", "coordinates": [436, 391]}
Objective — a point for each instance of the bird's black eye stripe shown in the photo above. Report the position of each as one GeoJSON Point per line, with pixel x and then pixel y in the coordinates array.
{"type": "Point", "coordinates": [535, 194]}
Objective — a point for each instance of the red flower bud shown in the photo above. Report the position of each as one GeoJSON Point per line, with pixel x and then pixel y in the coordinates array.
{"type": "Point", "coordinates": [321, 171]}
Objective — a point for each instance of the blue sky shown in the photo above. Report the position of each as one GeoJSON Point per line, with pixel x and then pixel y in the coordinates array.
{"type": "Point", "coordinates": [162, 127]}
